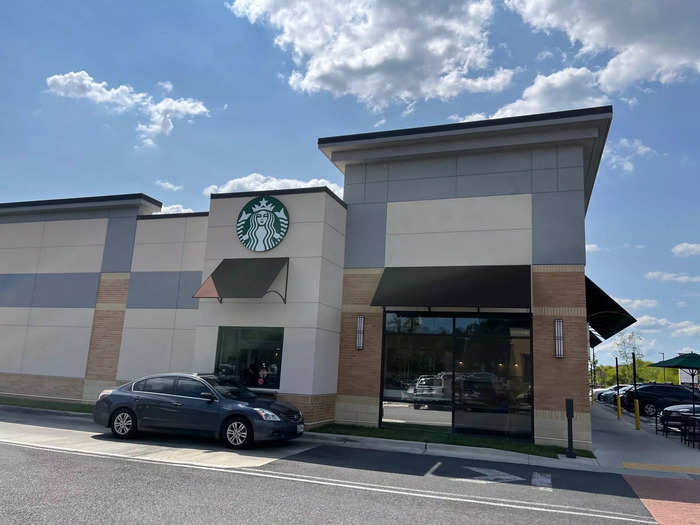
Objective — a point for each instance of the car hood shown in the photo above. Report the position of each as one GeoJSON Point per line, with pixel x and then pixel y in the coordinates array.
{"type": "Point", "coordinates": [682, 408]}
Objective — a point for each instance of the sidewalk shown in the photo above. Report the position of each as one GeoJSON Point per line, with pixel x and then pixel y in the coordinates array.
{"type": "Point", "coordinates": [620, 448]}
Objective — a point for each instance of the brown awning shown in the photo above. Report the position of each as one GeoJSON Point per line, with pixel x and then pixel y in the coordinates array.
{"type": "Point", "coordinates": [244, 278]}
{"type": "Point", "coordinates": [604, 314]}
{"type": "Point", "coordinates": [464, 286]}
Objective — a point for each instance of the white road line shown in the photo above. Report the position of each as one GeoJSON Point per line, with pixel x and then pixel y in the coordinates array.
{"type": "Point", "coordinates": [542, 481]}
{"type": "Point", "coordinates": [399, 491]}
{"type": "Point", "coordinates": [433, 468]}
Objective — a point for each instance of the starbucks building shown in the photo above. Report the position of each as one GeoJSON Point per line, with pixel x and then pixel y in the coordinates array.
{"type": "Point", "coordinates": [446, 288]}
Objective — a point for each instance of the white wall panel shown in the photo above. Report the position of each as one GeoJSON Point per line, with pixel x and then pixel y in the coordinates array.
{"type": "Point", "coordinates": [12, 347]}
{"type": "Point", "coordinates": [56, 351]}
{"type": "Point", "coordinates": [21, 234]}
{"type": "Point", "coordinates": [19, 260]}
{"type": "Point", "coordinates": [193, 256]}
{"type": "Point", "coordinates": [186, 319]}
{"type": "Point", "coordinates": [14, 316]}
{"type": "Point", "coordinates": [149, 318]}
{"type": "Point", "coordinates": [183, 352]}
{"type": "Point", "coordinates": [298, 350]}
{"type": "Point", "coordinates": [326, 362]}
{"type": "Point", "coordinates": [82, 232]}
{"type": "Point", "coordinates": [206, 338]}
{"type": "Point", "coordinates": [477, 248]}
{"type": "Point", "coordinates": [78, 317]}
{"type": "Point", "coordinates": [144, 351]}
{"type": "Point", "coordinates": [333, 245]}
{"type": "Point", "coordinates": [196, 229]}
{"type": "Point", "coordinates": [71, 259]}
{"type": "Point", "coordinates": [157, 257]}
{"type": "Point", "coordinates": [160, 230]}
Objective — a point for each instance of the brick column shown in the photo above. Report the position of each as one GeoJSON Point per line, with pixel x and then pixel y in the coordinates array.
{"type": "Point", "coordinates": [359, 371]}
{"type": "Point", "coordinates": [559, 292]}
{"type": "Point", "coordinates": [106, 337]}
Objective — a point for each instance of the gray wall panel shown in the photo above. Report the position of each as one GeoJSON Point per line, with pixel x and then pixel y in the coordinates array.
{"type": "Point", "coordinates": [494, 162]}
{"type": "Point", "coordinates": [163, 289]}
{"type": "Point", "coordinates": [422, 189]}
{"type": "Point", "coordinates": [355, 174]}
{"type": "Point", "coordinates": [65, 290]}
{"type": "Point", "coordinates": [376, 173]}
{"type": "Point", "coordinates": [189, 283]}
{"type": "Point", "coordinates": [558, 235]}
{"type": "Point", "coordinates": [119, 244]}
{"type": "Point", "coordinates": [354, 193]}
{"type": "Point", "coordinates": [153, 290]}
{"type": "Point", "coordinates": [16, 290]}
{"type": "Point", "coordinates": [376, 191]}
{"type": "Point", "coordinates": [571, 178]}
{"type": "Point", "coordinates": [365, 236]}
{"type": "Point", "coordinates": [68, 215]}
{"type": "Point", "coordinates": [544, 180]}
{"type": "Point", "coordinates": [494, 184]}
{"type": "Point", "coordinates": [422, 168]}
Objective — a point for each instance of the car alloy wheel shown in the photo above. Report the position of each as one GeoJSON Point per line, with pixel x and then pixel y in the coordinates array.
{"type": "Point", "coordinates": [649, 410]}
{"type": "Point", "coordinates": [238, 433]}
{"type": "Point", "coordinates": [123, 424]}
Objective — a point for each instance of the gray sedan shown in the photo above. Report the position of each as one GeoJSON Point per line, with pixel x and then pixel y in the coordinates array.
{"type": "Point", "coordinates": [197, 404]}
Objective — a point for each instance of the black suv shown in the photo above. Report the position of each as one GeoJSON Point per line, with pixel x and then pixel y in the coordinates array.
{"type": "Point", "coordinates": [655, 397]}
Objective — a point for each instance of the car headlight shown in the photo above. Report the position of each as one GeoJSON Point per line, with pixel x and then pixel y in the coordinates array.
{"type": "Point", "coordinates": [267, 415]}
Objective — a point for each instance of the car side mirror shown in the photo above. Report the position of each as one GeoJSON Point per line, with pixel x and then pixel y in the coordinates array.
{"type": "Point", "coordinates": [207, 395]}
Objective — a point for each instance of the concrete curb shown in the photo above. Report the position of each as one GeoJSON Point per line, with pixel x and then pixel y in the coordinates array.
{"type": "Point", "coordinates": [454, 451]}
{"type": "Point", "coordinates": [20, 408]}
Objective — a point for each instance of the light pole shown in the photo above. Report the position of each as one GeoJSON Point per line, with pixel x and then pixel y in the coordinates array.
{"type": "Point", "coordinates": [663, 358]}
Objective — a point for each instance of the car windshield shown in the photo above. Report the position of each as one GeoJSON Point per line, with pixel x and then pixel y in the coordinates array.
{"type": "Point", "coordinates": [230, 388]}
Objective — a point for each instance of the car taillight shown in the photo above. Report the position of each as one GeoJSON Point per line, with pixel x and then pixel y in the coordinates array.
{"type": "Point", "coordinates": [104, 393]}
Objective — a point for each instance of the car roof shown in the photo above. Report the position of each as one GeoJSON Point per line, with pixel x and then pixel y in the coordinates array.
{"type": "Point", "coordinates": [166, 374]}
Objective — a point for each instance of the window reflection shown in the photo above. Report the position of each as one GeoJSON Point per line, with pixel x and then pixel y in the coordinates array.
{"type": "Point", "coordinates": [480, 368]}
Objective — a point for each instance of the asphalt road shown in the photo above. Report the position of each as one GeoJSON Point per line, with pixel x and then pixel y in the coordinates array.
{"type": "Point", "coordinates": [40, 482]}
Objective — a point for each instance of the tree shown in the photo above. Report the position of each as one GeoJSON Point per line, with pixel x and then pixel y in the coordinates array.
{"type": "Point", "coordinates": [627, 345]}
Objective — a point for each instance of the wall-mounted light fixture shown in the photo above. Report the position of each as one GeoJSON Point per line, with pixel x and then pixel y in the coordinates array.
{"type": "Point", "coordinates": [558, 338]}
{"type": "Point", "coordinates": [360, 332]}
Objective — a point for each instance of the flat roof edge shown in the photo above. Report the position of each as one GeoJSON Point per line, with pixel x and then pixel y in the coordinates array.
{"type": "Point", "coordinates": [522, 119]}
{"type": "Point", "coordinates": [81, 200]}
{"type": "Point", "coordinates": [172, 215]}
{"type": "Point", "coordinates": [290, 191]}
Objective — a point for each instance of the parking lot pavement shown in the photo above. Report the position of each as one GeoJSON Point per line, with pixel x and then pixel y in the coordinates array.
{"type": "Point", "coordinates": [78, 433]}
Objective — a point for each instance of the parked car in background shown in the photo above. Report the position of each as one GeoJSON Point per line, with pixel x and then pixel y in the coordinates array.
{"type": "Point", "coordinates": [609, 395]}
{"type": "Point", "coordinates": [654, 397]}
{"type": "Point", "coordinates": [672, 414]}
{"type": "Point", "coordinates": [196, 404]}
{"type": "Point", "coordinates": [598, 393]}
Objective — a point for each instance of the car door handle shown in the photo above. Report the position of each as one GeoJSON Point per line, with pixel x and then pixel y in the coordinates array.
{"type": "Point", "coordinates": [175, 403]}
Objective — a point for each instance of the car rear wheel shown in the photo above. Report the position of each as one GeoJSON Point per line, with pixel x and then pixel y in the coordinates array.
{"type": "Point", "coordinates": [123, 423]}
{"type": "Point", "coordinates": [238, 433]}
{"type": "Point", "coordinates": [649, 410]}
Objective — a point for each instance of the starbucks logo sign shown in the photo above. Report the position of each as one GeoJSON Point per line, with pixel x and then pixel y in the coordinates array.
{"type": "Point", "coordinates": [262, 224]}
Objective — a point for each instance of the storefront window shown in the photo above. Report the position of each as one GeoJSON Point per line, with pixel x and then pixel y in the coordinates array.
{"type": "Point", "coordinates": [250, 355]}
{"type": "Point", "coordinates": [469, 373]}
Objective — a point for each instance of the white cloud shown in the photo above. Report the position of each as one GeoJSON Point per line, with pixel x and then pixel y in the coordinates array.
{"type": "Point", "coordinates": [672, 277]}
{"type": "Point", "coordinates": [467, 118]}
{"type": "Point", "coordinates": [650, 41]}
{"type": "Point", "coordinates": [636, 246]}
{"type": "Point", "coordinates": [380, 123]}
{"type": "Point", "coordinates": [678, 329]}
{"type": "Point", "coordinates": [637, 304]}
{"type": "Point", "coordinates": [686, 249]}
{"type": "Point", "coordinates": [685, 329]}
{"type": "Point", "coordinates": [620, 154]}
{"type": "Point", "coordinates": [259, 182]}
{"type": "Point", "coordinates": [173, 208]}
{"type": "Point", "coordinates": [544, 55]}
{"type": "Point", "coordinates": [383, 52]}
{"type": "Point", "coordinates": [590, 248]}
{"type": "Point", "coordinates": [166, 85]}
{"type": "Point", "coordinates": [123, 98]}
{"type": "Point", "coordinates": [168, 185]}
{"type": "Point", "coordinates": [687, 349]}
{"type": "Point", "coordinates": [569, 88]}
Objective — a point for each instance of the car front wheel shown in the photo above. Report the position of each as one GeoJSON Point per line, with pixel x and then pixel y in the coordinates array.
{"type": "Point", "coordinates": [123, 423]}
{"type": "Point", "coordinates": [649, 410]}
{"type": "Point", "coordinates": [238, 433]}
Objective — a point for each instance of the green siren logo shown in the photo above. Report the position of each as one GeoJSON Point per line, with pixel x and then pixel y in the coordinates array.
{"type": "Point", "coordinates": [262, 224]}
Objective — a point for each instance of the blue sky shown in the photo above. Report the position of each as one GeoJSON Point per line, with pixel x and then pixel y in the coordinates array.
{"type": "Point", "coordinates": [177, 99]}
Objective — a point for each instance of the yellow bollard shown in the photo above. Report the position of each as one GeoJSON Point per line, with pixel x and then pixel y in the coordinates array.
{"type": "Point", "coordinates": [619, 407]}
{"type": "Point", "coordinates": [636, 414]}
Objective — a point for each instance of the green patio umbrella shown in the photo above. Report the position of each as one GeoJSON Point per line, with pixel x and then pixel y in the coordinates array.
{"type": "Point", "coordinates": [689, 362]}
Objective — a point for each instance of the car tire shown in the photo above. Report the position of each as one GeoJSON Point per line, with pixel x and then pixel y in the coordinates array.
{"type": "Point", "coordinates": [123, 423]}
{"type": "Point", "coordinates": [237, 433]}
{"type": "Point", "coordinates": [649, 409]}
